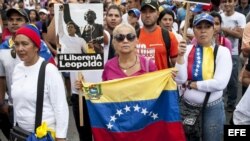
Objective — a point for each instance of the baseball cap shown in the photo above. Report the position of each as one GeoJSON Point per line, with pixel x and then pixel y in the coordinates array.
{"type": "Point", "coordinates": [152, 3]}
{"type": "Point", "coordinates": [43, 11]}
{"type": "Point", "coordinates": [135, 11]}
{"type": "Point", "coordinates": [21, 12]}
{"type": "Point", "coordinates": [203, 17]}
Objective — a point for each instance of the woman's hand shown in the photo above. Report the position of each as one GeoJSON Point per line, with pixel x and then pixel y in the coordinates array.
{"type": "Point", "coordinates": [174, 73]}
{"type": "Point", "coordinates": [181, 51]}
{"type": "Point", "coordinates": [182, 48]}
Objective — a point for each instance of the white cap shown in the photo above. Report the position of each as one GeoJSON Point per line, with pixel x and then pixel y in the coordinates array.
{"type": "Point", "coordinates": [43, 11]}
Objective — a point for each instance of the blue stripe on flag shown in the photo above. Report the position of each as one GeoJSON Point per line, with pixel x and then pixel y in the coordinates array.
{"type": "Point", "coordinates": [132, 116]}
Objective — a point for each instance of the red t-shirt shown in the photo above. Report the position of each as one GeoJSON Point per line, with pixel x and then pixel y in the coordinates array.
{"type": "Point", "coordinates": [151, 44]}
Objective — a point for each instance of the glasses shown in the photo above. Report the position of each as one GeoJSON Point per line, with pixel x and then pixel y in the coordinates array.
{"type": "Point", "coordinates": [120, 37]}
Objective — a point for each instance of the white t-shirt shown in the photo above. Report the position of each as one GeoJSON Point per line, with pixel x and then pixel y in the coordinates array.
{"type": "Point", "coordinates": [235, 20]}
{"type": "Point", "coordinates": [70, 44]}
{"type": "Point", "coordinates": [241, 115]}
{"type": "Point", "coordinates": [24, 93]}
{"type": "Point", "coordinates": [7, 64]}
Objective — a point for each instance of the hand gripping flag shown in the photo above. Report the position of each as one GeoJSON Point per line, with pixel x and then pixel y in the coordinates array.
{"type": "Point", "coordinates": [136, 108]}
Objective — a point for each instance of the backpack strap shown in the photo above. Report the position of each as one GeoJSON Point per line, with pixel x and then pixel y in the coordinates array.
{"type": "Point", "coordinates": [40, 95]}
{"type": "Point", "coordinates": [138, 33]}
{"type": "Point", "coordinates": [215, 54]}
{"type": "Point", "coordinates": [167, 41]}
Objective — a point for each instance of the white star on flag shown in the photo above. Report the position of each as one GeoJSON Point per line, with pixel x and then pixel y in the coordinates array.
{"type": "Point", "coordinates": [113, 118]}
{"type": "Point", "coordinates": [199, 62]}
{"type": "Point", "coordinates": [195, 74]}
{"type": "Point", "coordinates": [144, 111]}
{"type": "Point", "coordinates": [119, 112]}
{"type": "Point", "coordinates": [196, 70]}
{"type": "Point", "coordinates": [109, 125]}
{"type": "Point", "coordinates": [127, 108]}
{"type": "Point", "coordinates": [137, 108]}
{"type": "Point", "coordinates": [197, 66]}
{"type": "Point", "coordinates": [154, 116]}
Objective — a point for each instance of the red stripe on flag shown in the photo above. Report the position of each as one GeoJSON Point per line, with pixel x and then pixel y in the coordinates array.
{"type": "Point", "coordinates": [190, 63]}
{"type": "Point", "coordinates": [159, 131]}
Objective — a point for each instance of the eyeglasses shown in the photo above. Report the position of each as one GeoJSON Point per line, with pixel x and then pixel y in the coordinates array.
{"type": "Point", "coordinates": [120, 37]}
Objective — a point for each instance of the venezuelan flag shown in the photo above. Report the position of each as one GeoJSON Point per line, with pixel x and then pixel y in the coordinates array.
{"type": "Point", "coordinates": [136, 108]}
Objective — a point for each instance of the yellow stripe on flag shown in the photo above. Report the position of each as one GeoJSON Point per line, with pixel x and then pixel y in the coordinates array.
{"type": "Point", "coordinates": [144, 87]}
{"type": "Point", "coordinates": [208, 63]}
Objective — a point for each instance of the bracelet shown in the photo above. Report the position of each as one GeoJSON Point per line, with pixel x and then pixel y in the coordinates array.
{"type": "Point", "coordinates": [188, 85]}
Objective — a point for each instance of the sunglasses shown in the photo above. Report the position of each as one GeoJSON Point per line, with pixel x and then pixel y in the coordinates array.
{"type": "Point", "coordinates": [120, 37]}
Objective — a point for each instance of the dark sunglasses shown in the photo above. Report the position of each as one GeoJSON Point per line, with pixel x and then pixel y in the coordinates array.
{"type": "Point", "coordinates": [120, 37]}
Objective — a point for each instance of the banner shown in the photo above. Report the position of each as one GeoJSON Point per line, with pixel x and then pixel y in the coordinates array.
{"type": "Point", "coordinates": [136, 108]}
{"type": "Point", "coordinates": [80, 36]}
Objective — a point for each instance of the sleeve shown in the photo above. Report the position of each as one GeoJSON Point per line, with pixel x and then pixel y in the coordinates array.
{"type": "Point", "coordinates": [241, 115]}
{"type": "Point", "coordinates": [104, 73]}
{"type": "Point", "coordinates": [221, 75]}
{"type": "Point", "coordinates": [2, 70]}
{"type": "Point", "coordinates": [44, 27]}
{"type": "Point", "coordinates": [152, 66]}
{"type": "Point", "coordinates": [57, 97]}
{"type": "Point", "coordinates": [182, 76]}
{"type": "Point", "coordinates": [228, 44]}
{"type": "Point", "coordinates": [174, 45]}
{"type": "Point", "coordinates": [242, 21]}
{"type": "Point", "coordinates": [60, 25]}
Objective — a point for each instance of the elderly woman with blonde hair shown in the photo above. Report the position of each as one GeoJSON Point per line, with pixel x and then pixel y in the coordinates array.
{"type": "Point", "coordinates": [127, 62]}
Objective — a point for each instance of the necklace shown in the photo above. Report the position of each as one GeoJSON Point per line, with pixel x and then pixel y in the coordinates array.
{"type": "Point", "coordinates": [125, 69]}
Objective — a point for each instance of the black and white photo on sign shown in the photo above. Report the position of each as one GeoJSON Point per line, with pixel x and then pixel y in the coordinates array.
{"type": "Point", "coordinates": [79, 29]}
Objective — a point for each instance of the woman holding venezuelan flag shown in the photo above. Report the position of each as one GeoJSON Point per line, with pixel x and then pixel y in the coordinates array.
{"type": "Point", "coordinates": [202, 70]}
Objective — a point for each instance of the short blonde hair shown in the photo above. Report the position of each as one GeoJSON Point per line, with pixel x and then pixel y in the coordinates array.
{"type": "Point", "coordinates": [121, 25]}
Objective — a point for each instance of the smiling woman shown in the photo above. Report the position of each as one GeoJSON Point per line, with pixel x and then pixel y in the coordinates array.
{"type": "Point", "coordinates": [127, 62]}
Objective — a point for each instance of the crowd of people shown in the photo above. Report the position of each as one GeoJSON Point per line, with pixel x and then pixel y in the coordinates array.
{"type": "Point", "coordinates": [136, 37]}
